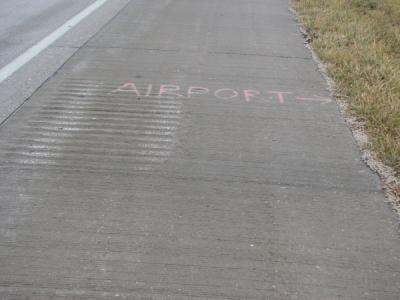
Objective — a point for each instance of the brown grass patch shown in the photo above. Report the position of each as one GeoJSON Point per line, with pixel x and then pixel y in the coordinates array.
{"type": "Point", "coordinates": [359, 41]}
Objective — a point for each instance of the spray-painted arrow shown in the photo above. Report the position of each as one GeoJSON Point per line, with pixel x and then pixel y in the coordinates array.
{"type": "Point", "coordinates": [315, 99]}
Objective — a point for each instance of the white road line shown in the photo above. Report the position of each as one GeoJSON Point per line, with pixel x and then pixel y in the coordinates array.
{"type": "Point", "coordinates": [24, 58]}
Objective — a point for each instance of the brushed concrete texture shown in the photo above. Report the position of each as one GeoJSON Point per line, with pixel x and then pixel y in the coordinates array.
{"type": "Point", "coordinates": [113, 187]}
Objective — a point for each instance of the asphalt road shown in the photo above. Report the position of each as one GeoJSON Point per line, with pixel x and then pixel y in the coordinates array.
{"type": "Point", "coordinates": [24, 22]}
{"type": "Point", "coordinates": [185, 149]}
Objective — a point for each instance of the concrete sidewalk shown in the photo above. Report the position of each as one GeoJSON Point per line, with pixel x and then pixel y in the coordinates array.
{"type": "Point", "coordinates": [190, 150]}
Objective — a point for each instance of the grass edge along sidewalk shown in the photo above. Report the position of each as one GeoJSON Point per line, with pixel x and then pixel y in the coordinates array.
{"type": "Point", "coordinates": [359, 43]}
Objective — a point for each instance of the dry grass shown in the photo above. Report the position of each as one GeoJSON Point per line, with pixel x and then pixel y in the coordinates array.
{"type": "Point", "coordinates": [359, 40]}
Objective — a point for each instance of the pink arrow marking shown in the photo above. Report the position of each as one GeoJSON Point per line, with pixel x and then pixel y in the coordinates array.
{"type": "Point", "coordinates": [315, 99]}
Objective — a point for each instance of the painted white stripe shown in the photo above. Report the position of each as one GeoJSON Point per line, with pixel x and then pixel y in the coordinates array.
{"type": "Point", "coordinates": [24, 58]}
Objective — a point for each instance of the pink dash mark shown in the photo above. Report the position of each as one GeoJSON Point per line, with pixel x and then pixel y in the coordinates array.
{"type": "Point", "coordinates": [233, 94]}
{"type": "Point", "coordinates": [128, 87]}
{"type": "Point", "coordinates": [197, 90]}
{"type": "Point", "coordinates": [169, 90]}
{"type": "Point", "coordinates": [280, 95]}
{"type": "Point", "coordinates": [248, 94]}
{"type": "Point", "coordinates": [315, 99]}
